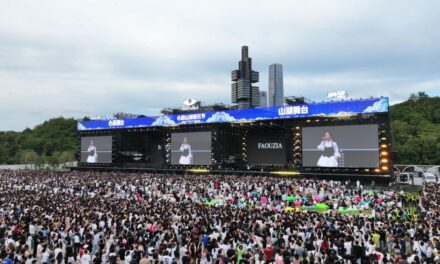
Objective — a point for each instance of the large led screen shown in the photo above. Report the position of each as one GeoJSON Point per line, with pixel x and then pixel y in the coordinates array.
{"type": "Point", "coordinates": [341, 146]}
{"type": "Point", "coordinates": [266, 149]}
{"type": "Point", "coordinates": [192, 148]}
{"type": "Point", "coordinates": [96, 149]}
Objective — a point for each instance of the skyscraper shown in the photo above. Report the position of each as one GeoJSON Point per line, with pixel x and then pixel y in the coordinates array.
{"type": "Point", "coordinates": [242, 92]}
{"type": "Point", "coordinates": [263, 99]}
{"type": "Point", "coordinates": [276, 89]}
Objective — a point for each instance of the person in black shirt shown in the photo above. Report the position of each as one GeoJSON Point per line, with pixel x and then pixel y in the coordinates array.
{"type": "Point", "coordinates": [231, 255]}
{"type": "Point", "coordinates": [186, 259]}
{"type": "Point", "coordinates": [358, 252]}
{"type": "Point", "coordinates": [69, 250]}
{"type": "Point", "coordinates": [121, 253]}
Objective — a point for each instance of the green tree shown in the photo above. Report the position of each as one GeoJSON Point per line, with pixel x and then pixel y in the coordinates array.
{"type": "Point", "coordinates": [65, 156]}
{"type": "Point", "coordinates": [57, 134]}
{"type": "Point", "coordinates": [28, 156]}
{"type": "Point", "coordinates": [52, 160]}
{"type": "Point", "coordinates": [415, 128]}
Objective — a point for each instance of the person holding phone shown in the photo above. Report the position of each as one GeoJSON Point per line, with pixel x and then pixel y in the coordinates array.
{"type": "Point", "coordinates": [186, 153]}
{"type": "Point", "coordinates": [329, 151]}
{"type": "Point", "coordinates": [93, 154]}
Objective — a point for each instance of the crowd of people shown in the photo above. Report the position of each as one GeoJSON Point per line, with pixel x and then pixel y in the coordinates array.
{"type": "Point", "coordinates": [114, 217]}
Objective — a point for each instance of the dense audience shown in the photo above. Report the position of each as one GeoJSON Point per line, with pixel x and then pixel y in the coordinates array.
{"type": "Point", "coordinates": [109, 217]}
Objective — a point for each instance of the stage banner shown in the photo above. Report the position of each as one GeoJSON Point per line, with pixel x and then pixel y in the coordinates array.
{"type": "Point", "coordinates": [323, 109]}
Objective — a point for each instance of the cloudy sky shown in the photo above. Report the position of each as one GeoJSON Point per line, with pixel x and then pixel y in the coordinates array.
{"type": "Point", "coordinates": [94, 58]}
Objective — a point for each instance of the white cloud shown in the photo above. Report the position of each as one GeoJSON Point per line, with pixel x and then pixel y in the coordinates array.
{"type": "Point", "coordinates": [99, 57]}
{"type": "Point", "coordinates": [163, 121]}
{"type": "Point", "coordinates": [81, 126]}
{"type": "Point", "coordinates": [220, 117]}
{"type": "Point", "coordinates": [379, 106]}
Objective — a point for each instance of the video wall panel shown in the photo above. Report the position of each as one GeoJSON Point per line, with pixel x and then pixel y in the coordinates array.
{"type": "Point", "coordinates": [266, 149]}
{"type": "Point", "coordinates": [347, 146]}
{"type": "Point", "coordinates": [96, 149]}
{"type": "Point", "coordinates": [191, 148]}
{"type": "Point", "coordinates": [142, 147]}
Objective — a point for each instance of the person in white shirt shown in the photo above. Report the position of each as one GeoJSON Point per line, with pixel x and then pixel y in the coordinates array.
{"type": "Point", "coordinates": [93, 155]}
{"type": "Point", "coordinates": [151, 252]}
{"type": "Point", "coordinates": [45, 257]}
{"type": "Point", "coordinates": [58, 252]}
{"type": "Point", "coordinates": [411, 258]}
{"type": "Point", "coordinates": [348, 246]}
{"type": "Point", "coordinates": [330, 152]}
{"type": "Point", "coordinates": [86, 259]}
{"type": "Point", "coordinates": [186, 156]}
{"type": "Point", "coordinates": [96, 239]}
{"type": "Point", "coordinates": [8, 241]}
{"type": "Point", "coordinates": [30, 260]}
{"type": "Point", "coordinates": [429, 251]}
{"type": "Point", "coordinates": [167, 259]}
{"type": "Point", "coordinates": [32, 229]}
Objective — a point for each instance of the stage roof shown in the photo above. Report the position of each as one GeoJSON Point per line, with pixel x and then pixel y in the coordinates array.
{"type": "Point", "coordinates": [323, 109]}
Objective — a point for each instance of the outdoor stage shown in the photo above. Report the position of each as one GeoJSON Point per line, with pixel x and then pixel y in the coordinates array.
{"type": "Point", "coordinates": [333, 139]}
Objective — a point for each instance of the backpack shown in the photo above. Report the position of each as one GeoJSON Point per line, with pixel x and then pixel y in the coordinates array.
{"type": "Point", "coordinates": [423, 254]}
{"type": "Point", "coordinates": [112, 259]}
{"type": "Point", "coordinates": [59, 257]}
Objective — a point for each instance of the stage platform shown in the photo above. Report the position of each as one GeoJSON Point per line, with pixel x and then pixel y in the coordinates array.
{"type": "Point", "coordinates": [368, 178]}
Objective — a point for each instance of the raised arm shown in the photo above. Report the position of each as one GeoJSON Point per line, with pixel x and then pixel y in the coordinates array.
{"type": "Point", "coordinates": [321, 146]}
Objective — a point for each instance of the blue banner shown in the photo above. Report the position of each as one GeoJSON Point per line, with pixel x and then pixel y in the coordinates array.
{"type": "Point", "coordinates": [337, 108]}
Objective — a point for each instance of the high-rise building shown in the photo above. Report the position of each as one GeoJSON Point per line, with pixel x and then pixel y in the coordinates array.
{"type": "Point", "coordinates": [263, 99]}
{"type": "Point", "coordinates": [276, 89]}
{"type": "Point", "coordinates": [243, 93]}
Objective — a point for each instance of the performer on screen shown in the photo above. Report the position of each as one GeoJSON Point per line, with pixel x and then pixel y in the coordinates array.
{"type": "Point", "coordinates": [93, 155]}
{"type": "Point", "coordinates": [186, 156]}
{"type": "Point", "coordinates": [330, 152]}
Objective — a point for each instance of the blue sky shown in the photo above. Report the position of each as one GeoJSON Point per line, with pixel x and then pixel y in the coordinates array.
{"type": "Point", "coordinates": [95, 58]}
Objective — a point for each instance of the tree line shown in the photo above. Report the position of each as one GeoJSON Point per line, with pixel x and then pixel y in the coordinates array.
{"type": "Point", "coordinates": [415, 129]}
{"type": "Point", "coordinates": [53, 142]}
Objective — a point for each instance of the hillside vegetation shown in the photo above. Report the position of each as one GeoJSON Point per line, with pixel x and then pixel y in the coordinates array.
{"type": "Point", "coordinates": [52, 142]}
{"type": "Point", "coordinates": [415, 128]}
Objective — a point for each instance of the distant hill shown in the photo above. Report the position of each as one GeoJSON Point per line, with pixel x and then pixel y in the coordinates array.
{"type": "Point", "coordinates": [52, 142]}
{"type": "Point", "coordinates": [415, 127]}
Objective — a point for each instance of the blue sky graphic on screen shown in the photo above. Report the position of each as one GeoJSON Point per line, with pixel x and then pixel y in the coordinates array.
{"type": "Point", "coordinates": [372, 105]}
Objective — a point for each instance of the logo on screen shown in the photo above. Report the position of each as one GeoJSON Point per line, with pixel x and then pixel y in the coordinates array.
{"type": "Point", "coordinates": [116, 122]}
{"type": "Point", "coordinates": [270, 145]}
{"type": "Point", "coordinates": [191, 117]}
{"type": "Point", "coordinates": [293, 110]}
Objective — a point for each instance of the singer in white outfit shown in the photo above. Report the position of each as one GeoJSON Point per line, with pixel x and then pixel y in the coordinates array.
{"type": "Point", "coordinates": [93, 154]}
{"type": "Point", "coordinates": [186, 156]}
{"type": "Point", "coordinates": [330, 152]}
